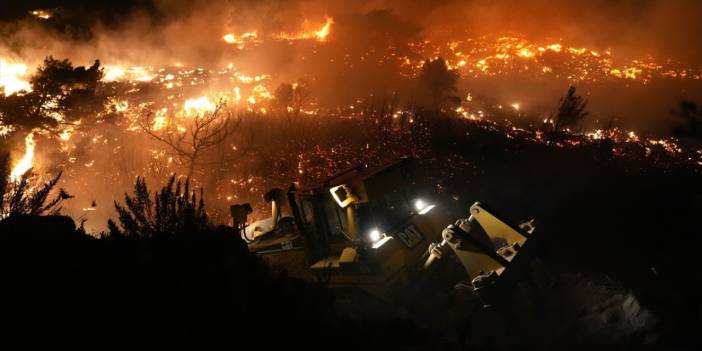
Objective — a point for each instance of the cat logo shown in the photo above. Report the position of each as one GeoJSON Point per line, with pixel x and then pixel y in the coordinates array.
{"type": "Point", "coordinates": [410, 235]}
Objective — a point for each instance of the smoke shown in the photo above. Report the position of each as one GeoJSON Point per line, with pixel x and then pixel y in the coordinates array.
{"type": "Point", "coordinates": [191, 29]}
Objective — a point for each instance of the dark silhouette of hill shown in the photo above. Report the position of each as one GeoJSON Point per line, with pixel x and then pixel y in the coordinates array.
{"type": "Point", "coordinates": [182, 291]}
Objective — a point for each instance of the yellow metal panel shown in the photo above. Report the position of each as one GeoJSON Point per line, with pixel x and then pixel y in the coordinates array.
{"type": "Point", "coordinates": [496, 229]}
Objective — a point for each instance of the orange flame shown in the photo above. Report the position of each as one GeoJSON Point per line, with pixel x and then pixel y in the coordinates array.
{"type": "Point", "coordinates": [26, 162]}
{"type": "Point", "coordinates": [12, 77]}
{"type": "Point", "coordinates": [324, 31]}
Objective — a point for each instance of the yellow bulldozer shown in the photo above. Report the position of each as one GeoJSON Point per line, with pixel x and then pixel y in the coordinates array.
{"type": "Point", "coordinates": [369, 228]}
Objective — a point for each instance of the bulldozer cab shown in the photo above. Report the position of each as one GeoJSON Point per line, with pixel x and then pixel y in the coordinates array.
{"type": "Point", "coordinates": [366, 227]}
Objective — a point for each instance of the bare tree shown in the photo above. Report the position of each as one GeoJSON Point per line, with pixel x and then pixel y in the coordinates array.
{"type": "Point", "coordinates": [190, 144]}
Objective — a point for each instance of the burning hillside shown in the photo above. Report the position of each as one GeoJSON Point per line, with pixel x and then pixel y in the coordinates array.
{"type": "Point", "coordinates": [308, 75]}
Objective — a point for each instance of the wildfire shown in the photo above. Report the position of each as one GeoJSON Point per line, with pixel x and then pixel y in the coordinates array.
{"type": "Point", "coordinates": [12, 77]}
{"type": "Point", "coordinates": [26, 162]}
{"type": "Point", "coordinates": [237, 94]}
{"type": "Point", "coordinates": [243, 40]}
{"type": "Point", "coordinates": [324, 31]}
{"type": "Point", "coordinates": [250, 79]}
{"type": "Point", "coordinates": [509, 55]}
{"type": "Point", "coordinates": [320, 34]}
{"type": "Point", "coordinates": [197, 106]}
{"type": "Point", "coordinates": [160, 120]}
{"type": "Point", "coordinates": [113, 73]}
{"type": "Point", "coordinates": [41, 14]}
{"type": "Point", "coordinates": [135, 73]}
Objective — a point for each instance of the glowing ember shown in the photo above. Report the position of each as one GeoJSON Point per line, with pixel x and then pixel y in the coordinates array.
{"type": "Point", "coordinates": [42, 14]}
{"type": "Point", "coordinates": [526, 53]}
{"type": "Point", "coordinates": [65, 135]}
{"type": "Point", "coordinates": [237, 94]}
{"type": "Point", "coordinates": [26, 162]}
{"type": "Point", "coordinates": [5, 130]}
{"type": "Point", "coordinates": [160, 119]}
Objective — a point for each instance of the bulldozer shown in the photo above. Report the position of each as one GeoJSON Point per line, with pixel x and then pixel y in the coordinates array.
{"type": "Point", "coordinates": [370, 228]}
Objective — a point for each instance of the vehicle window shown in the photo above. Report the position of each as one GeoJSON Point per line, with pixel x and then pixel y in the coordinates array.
{"type": "Point", "coordinates": [336, 217]}
{"type": "Point", "coordinates": [307, 210]}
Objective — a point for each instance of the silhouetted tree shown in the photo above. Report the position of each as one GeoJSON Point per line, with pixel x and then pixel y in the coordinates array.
{"type": "Point", "coordinates": [18, 198]}
{"type": "Point", "coordinates": [172, 211]}
{"type": "Point", "coordinates": [4, 174]}
{"type": "Point", "coordinates": [290, 99]}
{"type": "Point", "coordinates": [203, 134]}
{"type": "Point", "coordinates": [301, 95]}
{"type": "Point", "coordinates": [691, 114]}
{"type": "Point", "coordinates": [60, 94]}
{"type": "Point", "coordinates": [284, 95]}
{"type": "Point", "coordinates": [439, 81]}
{"type": "Point", "coordinates": [571, 110]}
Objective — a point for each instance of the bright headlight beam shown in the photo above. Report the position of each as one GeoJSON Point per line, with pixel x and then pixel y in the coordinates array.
{"type": "Point", "coordinates": [422, 207]}
{"type": "Point", "coordinates": [374, 235]}
{"type": "Point", "coordinates": [426, 209]}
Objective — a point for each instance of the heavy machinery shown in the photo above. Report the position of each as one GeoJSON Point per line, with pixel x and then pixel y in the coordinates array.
{"type": "Point", "coordinates": [368, 228]}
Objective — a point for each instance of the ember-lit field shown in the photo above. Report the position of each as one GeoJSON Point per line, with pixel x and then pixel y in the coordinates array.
{"type": "Point", "coordinates": [509, 82]}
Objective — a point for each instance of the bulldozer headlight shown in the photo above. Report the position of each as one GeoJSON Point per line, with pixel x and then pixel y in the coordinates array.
{"type": "Point", "coordinates": [374, 235]}
{"type": "Point", "coordinates": [422, 207]}
{"type": "Point", "coordinates": [377, 238]}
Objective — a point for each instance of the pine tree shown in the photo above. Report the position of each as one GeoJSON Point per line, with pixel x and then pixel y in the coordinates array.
{"type": "Point", "coordinates": [173, 210]}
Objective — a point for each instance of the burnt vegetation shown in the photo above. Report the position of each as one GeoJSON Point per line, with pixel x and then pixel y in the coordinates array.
{"type": "Point", "coordinates": [571, 110]}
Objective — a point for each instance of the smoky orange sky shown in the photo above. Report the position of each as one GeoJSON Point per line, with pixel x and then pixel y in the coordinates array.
{"type": "Point", "coordinates": [668, 28]}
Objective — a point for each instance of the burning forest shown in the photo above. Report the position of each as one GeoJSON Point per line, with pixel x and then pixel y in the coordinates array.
{"type": "Point", "coordinates": [275, 124]}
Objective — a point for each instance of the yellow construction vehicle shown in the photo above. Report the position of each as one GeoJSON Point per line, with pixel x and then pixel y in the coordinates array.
{"type": "Point", "coordinates": [369, 228]}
